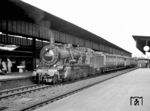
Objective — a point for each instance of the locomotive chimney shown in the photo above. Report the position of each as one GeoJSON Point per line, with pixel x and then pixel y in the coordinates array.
{"type": "Point", "coordinates": [51, 35]}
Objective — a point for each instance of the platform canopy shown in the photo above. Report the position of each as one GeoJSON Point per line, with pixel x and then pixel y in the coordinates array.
{"type": "Point", "coordinates": [142, 41]}
{"type": "Point", "coordinates": [19, 10]}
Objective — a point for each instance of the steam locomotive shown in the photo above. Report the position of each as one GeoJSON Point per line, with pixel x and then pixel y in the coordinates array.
{"type": "Point", "coordinates": [63, 62]}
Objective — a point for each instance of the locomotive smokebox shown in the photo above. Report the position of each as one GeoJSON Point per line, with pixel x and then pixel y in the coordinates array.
{"type": "Point", "coordinates": [51, 54]}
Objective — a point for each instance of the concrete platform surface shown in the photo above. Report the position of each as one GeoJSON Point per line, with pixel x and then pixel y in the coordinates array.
{"type": "Point", "coordinates": [14, 80]}
{"type": "Point", "coordinates": [112, 95]}
{"type": "Point", "coordinates": [15, 75]}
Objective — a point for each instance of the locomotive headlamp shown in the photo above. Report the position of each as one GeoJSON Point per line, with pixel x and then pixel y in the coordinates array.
{"type": "Point", "coordinates": [146, 47]}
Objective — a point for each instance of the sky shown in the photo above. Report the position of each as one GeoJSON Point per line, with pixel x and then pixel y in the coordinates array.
{"type": "Point", "coordinates": [113, 20]}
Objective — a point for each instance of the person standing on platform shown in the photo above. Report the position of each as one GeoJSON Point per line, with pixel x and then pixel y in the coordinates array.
{"type": "Point", "coordinates": [23, 63]}
{"type": "Point", "coordinates": [1, 66]}
{"type": "Point", "coordinates": [4, 69]}
{"type": "Point", "coordinates": [9, 65]}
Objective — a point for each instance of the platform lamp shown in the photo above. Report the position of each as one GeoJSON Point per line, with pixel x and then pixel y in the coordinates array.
{"type": "Point", "coordinates": [146, 47]}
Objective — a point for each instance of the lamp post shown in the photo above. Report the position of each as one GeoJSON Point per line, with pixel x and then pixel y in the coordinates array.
{"type": "Point", "coordinates": [146, 47]}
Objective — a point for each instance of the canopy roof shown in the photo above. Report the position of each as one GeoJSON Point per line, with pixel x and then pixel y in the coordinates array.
{"type": "Point", "coordinates": [18, 10]}
{"type": "Point", "coordinates": [141, 42]}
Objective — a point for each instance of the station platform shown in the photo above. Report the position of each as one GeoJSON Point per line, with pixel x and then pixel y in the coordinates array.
{"type": "Point", "coordinates": [15, 75]}
{"type": "Point", "coordinates": [13, 80]}
{"type": "Point", "coordinates": [128, 92]}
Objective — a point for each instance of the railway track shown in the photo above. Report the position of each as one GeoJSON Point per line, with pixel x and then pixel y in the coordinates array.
{"type": "Point", "coordinates": [21, 91]}
{"type": "Point", "coordinates": [38, 105]}
{"type": "Point", "coordinates": [29, 89]}
{"type": "Point", "coordinates": [5, 95]}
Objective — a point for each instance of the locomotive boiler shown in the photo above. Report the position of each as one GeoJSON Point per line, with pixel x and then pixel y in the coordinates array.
{"type": "Point", "coordinates": [52, 55]}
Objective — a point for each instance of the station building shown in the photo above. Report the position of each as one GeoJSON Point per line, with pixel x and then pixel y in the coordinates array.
{"type": "Point", "coordinates": [25, 29]}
